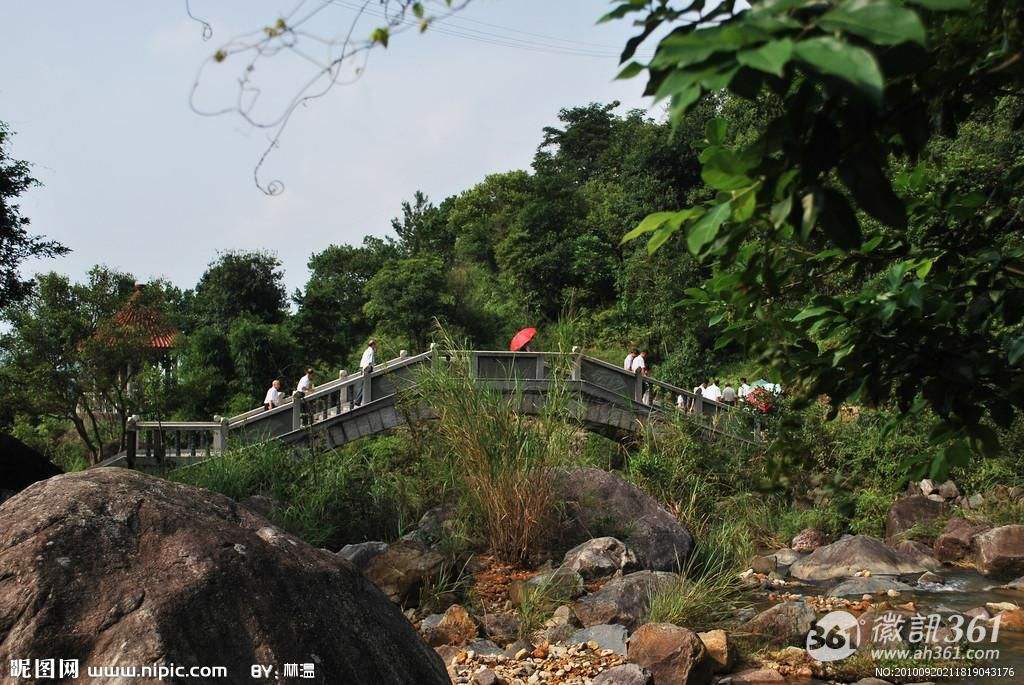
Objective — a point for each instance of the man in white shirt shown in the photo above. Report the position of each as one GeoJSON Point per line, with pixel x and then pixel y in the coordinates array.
{"type": "Point", "coordinates": [306, 382]}
{"type": "Point", "coordinates": [274, 395]}
{"type": "Point", "coordinates": [639, 367]}
{"type": "Point", "coordinates": [713, 392]}
{"type": "Point", "coordinates": [628, 364]}
{"type": "Point", "coordinates": [729, 394]}
{"type": "Point", "coordinates": [744, 388]}
{"type": "Point", "coordinates": [366, 367]}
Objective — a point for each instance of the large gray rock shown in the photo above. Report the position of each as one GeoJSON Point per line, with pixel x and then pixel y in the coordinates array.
{"type": "Point", "coordinates": [785, 624]}
{"type": "Point", "coordinates": [908, 512]}
{"type": "Point", "coordinates": [361, 553]}
{"type": "Point", "coordinates": [599, 557]}
{"type": "Point", "coordinates": [551, 586]}
{"type": "Point", "coordinates": [626, 674]}
{"type": "Point", "coordinates": [955, 541]}
{"type": "Point", "coordinates": [622, 600]}
{"type": "Point", "coordinates": [872, 585]}
{"type": "Point", "coordinates": [606, 636]}
{"type": "Point", "coordinates": [845, 557]}
{"type": "Point", "coordinates": [402, 568]}
{"type": "Point", "coordinates": [1000, 551]}
{"type": "Point", "coordinates": [110, 566]}
{"type": "Point", "coordinates": [599, 503]}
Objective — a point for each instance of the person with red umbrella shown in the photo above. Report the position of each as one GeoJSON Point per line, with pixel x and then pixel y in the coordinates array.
{"type": "Point", "coordinates": [521, 340]}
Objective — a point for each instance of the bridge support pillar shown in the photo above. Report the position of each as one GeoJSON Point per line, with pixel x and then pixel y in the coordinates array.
{"type": "Point", "coordinates": [297, 409]}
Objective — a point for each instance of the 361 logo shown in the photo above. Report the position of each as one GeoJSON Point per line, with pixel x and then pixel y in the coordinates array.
{"type": "Point", "coordinates": [835, 636]}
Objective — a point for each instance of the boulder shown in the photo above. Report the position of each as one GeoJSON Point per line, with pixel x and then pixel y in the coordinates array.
{"type": "Point", "coordinates": [720, 650]}
{"type": "Point", "coordinates": [401, 569]}
{"type": "Point", "coordinates": [485, 677]}
{"type": "Point", "coordinates": [622, 600]}
{"type": "Point", "coordinates": [626, 674]}
{"type": "Point", "coordinates": [501, 628]}
{"type": "Point", "coordinates": [872, 585]}
{"type": "Point", "coordinates": [1015, 584]}
{"type": "Point", "coordinates": [606, 636]}
{"type": "Point", "coordinates": [555, 587]}
{"type": "Point", "coordinates": [454, 627]}
{"type": "Point", "coordinates": [21, 466]}
{"type": "Point", "coordinates": [785, 557]}
{"type": "Point", "coordinates": [908, 512]}
{"type": "Point", "coordinates": [434, 526]}
{"type": "Point", "coordinates": [111, 566]}
{"type": "Point", "coordinates": [360, 553]}
{"type": "Point", "coordinates": [808, 540]}
{"type": "Point", "coordinates": [927, 487]}
{"type": "Point", "coordinates": [484, 648]}
{"type": "Point", "coordinates": [919, 553]}
{"type": "Point", "coordinates": [561, 626]}
{"type": "Point", "coordinates": [600, 503]}
{"type": "Point", "coordinates": [673, 655]}
{"type": "Point", "coordinates": [954, 542]}
{"type": "Point", "coordinates": [851, 554]}
{"type": "Point", "coordinates": [786, 623]}
{"type": "Point", "coordinates": [929, 578]}
{"type": "Point", "coordinates": [1000, 551]}
{"type": "Point", "coordinates": [599, 557]}
{"type": "Point", "coordinates": [949, 490]}
{"type": "Point", "coordinates": [1011, 620]}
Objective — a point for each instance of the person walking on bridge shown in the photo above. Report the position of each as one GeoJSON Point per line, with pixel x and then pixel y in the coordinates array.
{"type": "Point", "coordinates": [274, 396]}
{"type": "Point", "coordinates": [628, 363]}
{"type": "Point", "coordinates": [306, 382]}
{"type": "Point", "coordinates": [639, 367]}
{"type": "Point", "coordinates": [366, 367]}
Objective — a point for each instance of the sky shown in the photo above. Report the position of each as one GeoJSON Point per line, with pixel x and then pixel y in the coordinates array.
{"type": "Point", "coordinates": [98, 96]}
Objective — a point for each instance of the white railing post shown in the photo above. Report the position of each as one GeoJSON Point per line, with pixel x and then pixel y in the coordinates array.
{"type": "Point", "coordinates": [577, 363]}
{"type": "Point", "coordinates": [297, 409]}
{"type": "Point", "coordinates": [220, 436]}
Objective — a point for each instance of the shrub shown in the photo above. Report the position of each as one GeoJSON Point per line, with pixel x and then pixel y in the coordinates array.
{"type": "Point", "coordinates": [501, 457]}
{"type": "Point", "coordinates": [371, 490]}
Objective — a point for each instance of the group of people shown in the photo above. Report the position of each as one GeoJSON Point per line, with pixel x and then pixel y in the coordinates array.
{"type": "Point", "coordinates": [275, 397]}
{"type": "Point", "coordinates": [728, 394]}
{"type": "Point", "coordinates": [636, 363]}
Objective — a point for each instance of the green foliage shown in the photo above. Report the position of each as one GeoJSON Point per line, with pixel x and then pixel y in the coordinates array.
{"type": "Point", "coordinates": [500, 457]}
{"type": "Point", "coordinates": [407, 296]}
{"type": "Point", "coordinates": [841, 250]}
{"type": "Point", "coordinates": [241, 283]}
{"type": "Point", "coordinates": [870, 508]}
{"type": "Point", "coordinates": [371, 490]}
{"type": "Point", "coordinates": [16, 244]}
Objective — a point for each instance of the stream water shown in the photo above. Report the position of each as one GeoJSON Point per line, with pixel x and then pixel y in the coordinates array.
{"type": "Point", "coordinates": [961, 591]}
{"type": "Point", "coordinates": [964, 590]}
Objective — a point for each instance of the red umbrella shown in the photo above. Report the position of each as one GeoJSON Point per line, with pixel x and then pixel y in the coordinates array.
{"type": "Point", "coordinates": [520, 339]}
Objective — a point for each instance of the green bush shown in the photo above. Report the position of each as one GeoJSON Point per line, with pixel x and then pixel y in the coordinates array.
{"type": "Point", "coordinates": [371, 490]}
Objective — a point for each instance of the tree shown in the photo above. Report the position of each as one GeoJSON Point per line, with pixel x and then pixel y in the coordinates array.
{"type": "Point", "coordinates": [837, 190]}
{"type": "Point", "coordinates": [16, 243]}
{"type": "Point", "coordinates": [330, 323]}
{"type": "Point", "coordinates": [73, 364]}
{"type": "Point", "coordinates": [405, 297]}
{"type": "Point", "coordinates": [241, 283]}
{"type": "Point", "coordinates": [422, 228]}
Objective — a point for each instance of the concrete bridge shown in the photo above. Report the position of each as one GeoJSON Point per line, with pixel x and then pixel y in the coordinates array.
{"type": "Point", "coordinates": [603, 397]}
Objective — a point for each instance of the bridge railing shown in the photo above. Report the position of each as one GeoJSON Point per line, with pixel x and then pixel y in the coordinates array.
{"type": "Point", "coordinates": [159, 439]}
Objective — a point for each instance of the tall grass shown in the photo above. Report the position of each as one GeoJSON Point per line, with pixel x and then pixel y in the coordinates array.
{"type": "Point", "coordinates": [501, 457]}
